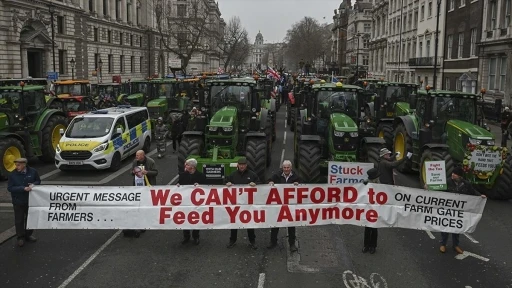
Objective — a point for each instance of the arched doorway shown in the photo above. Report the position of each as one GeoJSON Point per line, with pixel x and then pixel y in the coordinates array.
{"type": "Point", "coordinates": [35, 49]}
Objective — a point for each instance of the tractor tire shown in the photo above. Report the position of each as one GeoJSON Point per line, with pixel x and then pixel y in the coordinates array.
{"type": "Point", "coordinates": [274, 128]}
{"type": "Point", "coordinates": [371, 154]}
{"type": "Point", "coordinates": [293, 119]}
{"type": "Point", "coordinates": [436, 155]}
{"type": "Point", "coordinates": [11, 149]}
{"type": "Point", "coordinates": [385, 131]}
{"type": "Point", "coordinates": [309, 162]}
{"type": "Point", "coordinates": [269, 136]}
{"type": "Point", "coordinates": [288, 114]}
{"type": "Point", "coordinates": [255, 152]}
{"type": "Point", "coordinates": [188, 146]}
{"type": "Point", "coordinates": [404, 145]}
{"type": "Point", "coordinates": [501, 189]}
{"type": "Point", "coordinates": [51, 137]}
{"type": "Point", "coordinates": [296, 137]}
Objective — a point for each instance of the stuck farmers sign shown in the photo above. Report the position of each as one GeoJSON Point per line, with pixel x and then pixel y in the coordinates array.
{"type": "Point", "coordinates": [347, 172]}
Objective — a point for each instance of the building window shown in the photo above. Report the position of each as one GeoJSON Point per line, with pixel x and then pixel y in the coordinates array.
{"type": "Point", "coordinates": [121, 40]}
{"type": "Point", "coordinates": [461, 45]}
{"type": "Point", "coordinates": [182, 40]}
{"type": "Point", "coordinates": [365, 43]}
{"type": "Point", "coordinates": [118, 9]}
{"type": "Point", "coordinates": [430, 9]}
{"type": "Point", "coordinates": [181, 10]}
{"type": "Point", "coordinates": [420, 52]}
{"type": "Point", "coordinates": [137, 14]}
{"type": "Point", "coordinates": [426, 81]}
{"type": "Point", "coordinates": [128, 11]}
{"type": "Point", "coordinates": [458, 85]}
{"type": "Point", "coordinates": [427, 54]}
{"type": "Point", "coordinates": [367, 27]}
{"type": "Point", "coordinates": [141, 62]}
{"type": "Point", "coordinates": [449, 46]}
{"type": "Point", "coordinates": [140, 41]}
{"type": "Point", "coordinates": [503, 73]}
{"type": "Point", "coordinates": [473, 42]}
{"type": "Point", "coordinates": [414, 25]}
{"type": "Point", "coordinates": [405, 23]}
{"type": "Point", "coordinates": [131, 40]}
{"type": "Point", "coordinates": [110, 63]}
{"type": "Point", "coordinates": [492, 73]}
{"type": "Point", "coordinates": [365, 60]}
{"type": "Point", "coordinates": [91, 5]}
{"type": "Point", "coordinates": [62, 62]}
{"type": "Point", "coordinates": [96, 61]}
{"type": "Point", "coordinates": [96, 38]}
{"type": "Point", "coordinates": [422, 12]}
{"type": "Point", "coordinates": [60, 24]}
{"type": "Point", "coordinates": [452, 4]}
{"type": "Point", "coordinates": [121, 63]}
{"type": "Point", "coordinates": [132, 64]}
{"type": "Point", "coordinates": [492, 15]}
{"type": "Point", "coordinates": [508, 4]}
{"type": "Point", "coordinates": [447, 83]}
{"type": "Point", "coordinates": [105, 8]}
{"type": "Point", "coordinates": [109, 36]}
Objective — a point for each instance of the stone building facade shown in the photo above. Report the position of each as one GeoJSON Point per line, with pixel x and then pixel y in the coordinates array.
{"type": "Point", "coordinates": [378, 43]}
{"type": "Point", "coordinates": [358, 36]}
{"type": "Point", "coordinates": [119, 34]}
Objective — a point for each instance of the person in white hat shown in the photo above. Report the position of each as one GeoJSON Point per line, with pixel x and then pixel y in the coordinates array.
{"type": "Point", "coordinates": [387, 164]}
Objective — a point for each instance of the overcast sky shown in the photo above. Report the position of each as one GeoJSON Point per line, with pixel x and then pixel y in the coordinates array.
{"type": "Point", "coordinates": [275, 17]}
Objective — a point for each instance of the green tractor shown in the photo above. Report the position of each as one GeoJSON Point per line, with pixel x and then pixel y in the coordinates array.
{"type": "Point", "coordinates": [137, 93]}
{"type": "Point", "coordinates": [332, 128]}
{"type": "Point", "coordinates": [28, 128]}
{"type": "Point", "coordinates": [266, 88]}
{"type": "Point", "coordinates": [443, 127]}
{"type": "Point", "coordinates": [232, 124]}
{"type": "Point", "coordinates": [300, 102]}
{"type": "Point", "coordinates": [391, 101]}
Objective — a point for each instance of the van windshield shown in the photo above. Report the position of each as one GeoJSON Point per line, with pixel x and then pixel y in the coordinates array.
{"type": "Point", "coordinates": [89, 127]}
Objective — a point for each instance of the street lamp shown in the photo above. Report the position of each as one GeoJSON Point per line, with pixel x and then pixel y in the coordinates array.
{"type": "Point", "coordinates": [358, 35]}
{"type": "Point", "coordinates": [73, 63]}
{"type": "Point", "coordinates": [100, 64]}
{"type": "Point", "coordinates": [434, 86]}
{"type": "Point", "coordinates": [51, 9]}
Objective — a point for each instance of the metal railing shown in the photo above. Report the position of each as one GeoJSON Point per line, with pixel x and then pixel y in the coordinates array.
{"type": "Point", "coordinates": [425, 61]}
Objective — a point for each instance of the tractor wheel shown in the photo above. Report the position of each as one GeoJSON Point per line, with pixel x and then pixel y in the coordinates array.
{"type": "Point", "coordinates": [51, 137]}
{"type": "Point", "coordinates": [435, 155]}
{"type": "Point", "coordinates": [10, 149]}
{"type": "Point", "coordinates": [371, 154]}
{"type": "Point", "coordinates": [274, 128]}
{"type": "Point", "coordinates": [309, 162]}
{"type": "Point", "coordinates": [385, 131]}
{"type": "Point", "coordinates": [188, 146]}
{"type": "Point", "coordinates": [296, 137]}
{"type": "Point", "coordinates": [501, 189]}
{"type": "Point", "coordinates": [293, 119]}
{"type": "Point", "coordinates": [288, 114]}
{"type": "Point", "coordinates": [402, 143]}
{"type": "Point", "coordinates": [268, 134]}
{"type": "Point", "coordinates": [255, 152]}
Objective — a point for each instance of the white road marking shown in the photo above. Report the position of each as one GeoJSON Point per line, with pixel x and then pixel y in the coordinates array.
{"type": "Point", "coordinates": [102, 181]}
{"type": "Point", "coordinates": [5, 205]}
{"type": "Point", "coordinates": [6, 211]}
{"type": "Point", "coordinates": [284, 140]}
{"type": "Point", "coordinates": [261, 280]}
{"type": "Point", "coordinates": [430, 235]}
{"type": "Point", "coordinates": [88, 261]}
{"type": "Point", "coordinates": [282, 159]}
{"type": "Point", "coordinates": [49, 174]}
{"type": "Point", "coordinates": [174, 179]}
{"type": "Point", "coordinates": [471, 238]}
{"type": "Point", "coordinates": [469, 254]}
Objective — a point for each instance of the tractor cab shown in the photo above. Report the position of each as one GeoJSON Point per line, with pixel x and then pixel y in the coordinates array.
{"type": "Point", "coordinates": [77, 105]}
{"type": "Point", "coordinates": [106, 94]}
{"type": "Point", "coordinates": [137, 93]}
{"type": "Point", "coordinates": [167, 98]}
{"type": "Point", "coordinates": [393, 99]}
{"type": "Point", "coordinates": [64, 90]}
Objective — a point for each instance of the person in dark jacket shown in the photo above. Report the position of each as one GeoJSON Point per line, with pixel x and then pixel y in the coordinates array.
{"type": "Point", "coordinates": [191, 177]}
{"type": "Point", "coordinates": [242, 176]}
{"type": "Point", "coordinates": [283, 177]}
{"type": "Point", "coordinates": [457, 184]}
{"type": "Point", "coordinates": [387, 164]}
{"type": "Point", "coordinates": [147, 166]}
{"type": "Point", "coordinates": [20, 183]}
{"type": "Point", "coordinates": [371, 234]}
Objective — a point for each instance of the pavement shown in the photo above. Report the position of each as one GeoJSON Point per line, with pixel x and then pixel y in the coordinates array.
{"type": "Point", "coordinates": [328, 256]}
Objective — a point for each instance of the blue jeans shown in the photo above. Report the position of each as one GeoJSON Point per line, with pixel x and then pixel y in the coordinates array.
{"type": "Point", "coordinates": [455, 239]}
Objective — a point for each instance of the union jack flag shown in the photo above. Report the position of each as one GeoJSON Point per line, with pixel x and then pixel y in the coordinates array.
{"type": "Point", "coordinates": [273, 73]}
{"type": "Point", "coordinates": [220, 70]}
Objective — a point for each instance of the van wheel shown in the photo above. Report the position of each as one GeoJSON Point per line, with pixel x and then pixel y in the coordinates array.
{"type": "Point", "coordinates": [147, 145]}
{"type": "Point", "coordinates": [116, 162]}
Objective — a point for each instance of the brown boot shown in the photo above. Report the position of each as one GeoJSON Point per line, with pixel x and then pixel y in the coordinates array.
{"type": "Point", "coordinates": [442, 248]}
{"type": "Point", "coordinates": [21, 242]}
{"type": "Point", "coordinates": [458, 250]}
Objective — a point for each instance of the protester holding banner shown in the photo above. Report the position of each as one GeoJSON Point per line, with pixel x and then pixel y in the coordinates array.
{"type": "Point", "coordinates": [457, 184]}
{"type": "Point", "coordinates": [386, 165]}
{"type": "Point", "coordinates": [191, 177]}
{"type": "Point", "coordinates": [242, 176]}
{"type": "Point", "coordinates": [282, 177]}
{"type": "Point", "coordinates": [139, 180]}
{"type": "Point", "coordinates": [20, 183]}
{"type": "Point", "coordinates": [370, 234]}
{"type": "Point", "coordinates": [147, 166]}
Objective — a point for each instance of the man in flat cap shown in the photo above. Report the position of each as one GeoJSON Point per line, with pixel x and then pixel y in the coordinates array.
{"type": "Point", "coordinates": [387, 164]}
{"type": "Point", "coordinates": [20, 183]}
{"type": "Point", "coordinates": [242, 176]}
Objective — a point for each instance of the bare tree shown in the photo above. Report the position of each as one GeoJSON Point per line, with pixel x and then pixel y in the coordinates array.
{"type": "Point", "coordinates": [234, 42]}
{"type": "Point", "coordinates": [306, 41]}
{"type": "Point", "coordinates": [184, 27]}
{"type": "Point", "coordinates": [242, 52]}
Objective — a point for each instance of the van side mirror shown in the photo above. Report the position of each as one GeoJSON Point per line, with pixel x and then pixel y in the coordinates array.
{"type": "Point", "coordinates": [61, 131]}
{"type": "Point", "coordinates": [119, 131]}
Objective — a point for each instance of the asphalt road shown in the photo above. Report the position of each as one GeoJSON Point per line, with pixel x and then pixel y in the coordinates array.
{"type": "Point", "coordinates": [329, 256]}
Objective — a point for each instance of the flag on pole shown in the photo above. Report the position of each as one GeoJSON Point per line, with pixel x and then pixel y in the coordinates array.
{"type": "Point", "coordinates": [220, 71]}
{"type": "Point", "coordinates": [273, 73]}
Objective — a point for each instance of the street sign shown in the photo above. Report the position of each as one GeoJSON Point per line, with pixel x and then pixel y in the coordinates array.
{"type": "Point", "coordinates": [174, 63]}
{"type": "Point", "coordinates": [52, 76]}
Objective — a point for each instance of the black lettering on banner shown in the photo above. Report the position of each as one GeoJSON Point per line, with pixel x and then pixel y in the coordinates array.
{"type": "Point", "coordinates": [443, 222]}
{"type": "Point", "coordinates": [70, 217]}
{"type": "Point", "coordinates": [118, 197]}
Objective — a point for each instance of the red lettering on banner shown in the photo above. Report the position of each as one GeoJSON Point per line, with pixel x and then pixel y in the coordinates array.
{"type": "Point", "coordinates": [229, 196]}
{"type": "Point", "coordinates": [245, 216]}
{"type": "Point", "coordinates": [346, 196]}
{"type": "Point", "coordinates": [284, 214]}
{"type": "Point", "coordinates": [317, 195]}
{"type": "Point", "coordinates": [372, 216]}
{"type": "Point", "coordinates": [381, 198]}
{"type": "Point", "coordinates": [194, 197]}
{"type": "Point", "coordinates": [303, 194]}
{"type": "Point", "coordinates": [160, 197]}
{"type": "Point", "coordinates": [176, 199]}
{"type": "Point", "coordinates": [274, 197]}
{"type": "Point", "coordinates": [288, 195]}
{"type": "Point", "coordinates": [333, 194]}
{"type": "Point", "coordinates": [250, 194]}
{"type": "Point", "coordinates": [213, 197]}
{"type": "Point", "coordinates": [180, 217]}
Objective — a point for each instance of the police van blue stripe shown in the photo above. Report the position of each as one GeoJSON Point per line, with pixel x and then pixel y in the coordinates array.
{"type": "Point", "coordinates": [144, 126]}
{"type": "Point", "coordinates": [133, 133]}
{"type": "Point", "coordinates": [118, 143]}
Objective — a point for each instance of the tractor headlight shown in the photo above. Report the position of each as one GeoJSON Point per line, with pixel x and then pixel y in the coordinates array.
{"type": "Point", "coordinates": [212, 128]}
{"type": "Point", "coordinates": [475, 141]}
{"type": "Point", "coordinates": [339, 134]}
{"type": "Point", "coordinates": [57, 149]}
{"type": "Point", "coordinates": [100, 148]}
{"type": "Point", "coordinates": [354, 134]}
{"type": "Point", "coordinates": [227, 129]}
{"type": "Point", "coordinates": [490, 142]}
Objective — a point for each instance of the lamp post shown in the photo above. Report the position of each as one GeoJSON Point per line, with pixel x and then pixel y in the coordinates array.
{"type": "Point", "coordinates": [357, 55]}
{"type": "Point", "coordinates": [51, 9]}
{"type": "Point", "coordinates": [100, 64]}
{"type": "Point", "coordinates": [73, 63]}
{"type": "Point", "coordinates": [434, 86]}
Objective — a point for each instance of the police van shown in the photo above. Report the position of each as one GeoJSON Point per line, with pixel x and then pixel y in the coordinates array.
{"type": "Point", "coordinates": [102, 139]}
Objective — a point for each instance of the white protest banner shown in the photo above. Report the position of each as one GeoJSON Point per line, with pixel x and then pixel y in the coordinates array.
{"type": "Point", "coordinates": [263, 206]}
{"type": "Point", "coordinates": [347, 172]}
{"type": "Point", "coordinates": [435, 175]}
